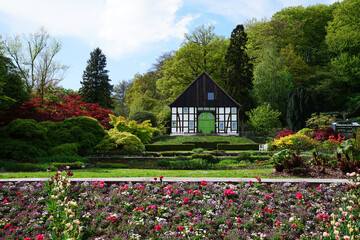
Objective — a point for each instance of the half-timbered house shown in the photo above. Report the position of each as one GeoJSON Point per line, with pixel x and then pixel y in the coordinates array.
{"type": "Point", "coordinates": [204, 108]}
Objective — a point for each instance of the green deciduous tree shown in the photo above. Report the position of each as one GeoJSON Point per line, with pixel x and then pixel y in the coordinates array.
{"type": "Point", "coordinates": [264, 119]}
{"type": "Point", "coordinates": [202, 50]}
{"type": "Point", "coordinates": [34, 58]}
{"type": "Point", "coordinates": [118, 97]}
{"type": "Point", "coordinates": [237, 73]}
{"type": "Point", "coordinates": [272, 81]}
{"type": "Point", "coordinates": [96, 87]}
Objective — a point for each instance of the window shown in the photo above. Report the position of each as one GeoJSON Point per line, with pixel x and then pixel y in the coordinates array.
{"type": "Point", "coordinates": [202, 115]}
{"type": "Point", "coordinates": [233, 110]}
{"type": "Point", "coordinates": [210, 115]}
{"type": "Point", "coordinates": [174, 124]}
{"type": "Point", "coordinates": [210, 96]}
{"type": "Point", "coordinates": [185, 110]}
{"type": "Point", "coordinates": [191, 125]}
{"type": "Point", "coordinates": [221, 126]}
{"type": "Point", "coordinates": [233, 126]}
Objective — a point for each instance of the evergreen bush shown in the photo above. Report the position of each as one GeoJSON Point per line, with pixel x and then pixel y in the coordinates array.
{"type": "Point", "coordinates": [66, 149]}
{"type": "Point", "coordinates": [142, 116]}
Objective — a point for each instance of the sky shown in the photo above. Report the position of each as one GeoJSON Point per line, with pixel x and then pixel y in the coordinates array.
{"type": "Point", "coordinates": [131, 33]}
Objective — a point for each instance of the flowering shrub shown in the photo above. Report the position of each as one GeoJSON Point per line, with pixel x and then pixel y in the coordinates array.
{"type": "Point", "coordinates": [294, 141]}
{"type": "Point", "coordinates": [284, 133]}
{"type": "Point", "coordinates": [323, 134]}
{"type": "Point", "coordinates": [202, 210]}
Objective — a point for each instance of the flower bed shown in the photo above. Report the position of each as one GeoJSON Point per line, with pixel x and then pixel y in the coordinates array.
{"type": "Point", "coordinates": [159, 210]}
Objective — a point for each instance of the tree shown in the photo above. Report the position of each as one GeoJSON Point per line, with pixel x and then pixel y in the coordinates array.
{"type": "Point", "coordinates": [272, 82]}
{"type": "Point", "coordinates": [12, 89]}
{"type": "Point", "coordinates": [264, 119]}
{"type": "Point", "coordinates": [237, 74]}
{"type": "Point", "coordinates": [34, 58]}
{"type": "Point", "coordinates": [299, 109]}
{"type": "Point", "coordinates": [202, 50]}
{"type": "Point", "coordinates": [118, 97]}
{"type": "Point", "coordinates": [96, 87]}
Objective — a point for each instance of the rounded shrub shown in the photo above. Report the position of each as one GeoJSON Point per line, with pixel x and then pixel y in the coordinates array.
{"type": "Point", "coordinates": [206, 156]}
{"type": "Point", "coordinates": [306, 131]}
{"type": "Point", "coordinates": [66, 149]}
{"type": "Point", "coordinates": [294, 141]}
{"type": "Point", "coordinates": [120, 141]}
{"type": "Point", "coordinates": [142, 116]}
{"type": "Point", "coordinates": [26, 128]}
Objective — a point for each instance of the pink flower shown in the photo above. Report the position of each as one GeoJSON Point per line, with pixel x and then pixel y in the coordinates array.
{"type": "Point", "coordinates": [318, 188]}
{"type": "Point", "coordinates": [293, 225]}
{"type": "Point", "coordinates": [102, 185]}
{"type": "Point", "coordinates": [250, 182]}
{"type": "Point", "coordinates": [5, 202]}
{"type": "Point", "coordinates": [238, 220]}
{"type": "Point", "coordinates": [277, 223]}
{"type": "Point", "coordinates": [190, 191]}
{"type": "Point", "coordinates": [96, 183]}
{"type": "Point", "coordinates": [186, 199]}
{"type": "Point", "coordinates": [168, 192]}
{"type": "Point", "coordinates": [189, 214]}
{"type": "Point", "coordinates": [203, 183]}
{"type": "Point", "coordinates": [121, 188]}
{"type": "Point", "coordinates": [7, 226]}
{"type": "Point", "coordinates": [266, 196]}
{"type": "Point", "coordinates": [40, 237]}
{"type": "Point", "coordinates": [27, 238]}
{"type": "Point", "coordinates": [299, 196]}
{"type": "Point", "coordinates": [158, 227]}
{"type": "Point", "coordinates": [223, 233]}
{"type": "Point", "coordinates": [325, 234]}
{"type": "Point", "coordinates": [181, 228]}
{"type": "Point", "coordinates": [259, 179]}
{"type": "Point", "coordinates": [153, 207]}
{"type": "Point", "coordinates": [11, 230]}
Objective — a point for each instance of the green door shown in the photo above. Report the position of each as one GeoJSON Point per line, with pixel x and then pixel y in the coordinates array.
{"type": "Point", "coordinates": [206, 123]}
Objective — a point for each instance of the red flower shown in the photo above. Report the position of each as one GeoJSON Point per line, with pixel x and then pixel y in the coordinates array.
{"type": "Point", "coordinates": [318, 188]}
{"type": "Point", "coordinates": [40, 237]}
{"type": "Point", "coordinates": [155, 178]}
{"type": "Point", "coordinates": [181, 228]}
{"type": "Point", "coordinates": [266, 208]}
{"type": "Point", "coordinates": [238, 220]}
{"type": "Point", "coordinates": [266, 196]}
{"type": "Point", "coordinates": [27, 238]}
{"type": "Point", "coordinates": [299, 196]}
{"type": "Point", "coordinates": [203, 183]}
{"type": "Point", "coordinates": [158, 227]}
{"type": "Point", "coordinates": [7, 226]}
{"type": "Point", "coordinates": [186, 199]}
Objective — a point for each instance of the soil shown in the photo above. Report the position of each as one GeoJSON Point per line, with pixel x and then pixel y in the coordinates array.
{"type": "Point", "coordinates": [308, 171]}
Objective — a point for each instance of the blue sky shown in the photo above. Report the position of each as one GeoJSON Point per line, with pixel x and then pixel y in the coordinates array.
{"type": "Point", "coordinates": [131, 33]}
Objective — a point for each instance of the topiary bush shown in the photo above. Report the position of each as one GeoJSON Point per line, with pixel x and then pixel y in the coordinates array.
{"type": "Point", "coordinates": [142, 116]}
{"type": "Point", "coordinates": [206, 156]}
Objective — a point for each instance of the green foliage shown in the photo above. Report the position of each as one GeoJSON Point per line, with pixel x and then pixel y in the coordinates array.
{"type": "Point", "coordinates": [202, 50]}
{"type": "Point", "coordinates": [26, 128]}
{"type": "Point", "coordinates": [112, 165]}
{"type": "Point", "coordinates": [169, 147]}
{"type": "Point", "coordinates": [143, 131]}
{"type": "Point", "coordinates": [191, 164]}
{"type": "Point", "coordinates": [198, 150]}
{"type": "Point", "coordinates": [206, 156]}
{"type": "Point", "coordinates": [62, 159]}
{"type": "Point", "coordinates": [272, 81]}
{"type": "Point", "coordinates": [163, 163]}
{"type": "Point", "coordinates": [20, 149]}
{"type": "Point", "coordinates": [96, 87]}
{"type": "Point", "coordinates": [11, 166]}
{"type": "Point", "coordinates": [238, 147]}
{"type": "Point", "coordinates": [142, 116]}
{"type": "Point", "coordinates": [207, 144]}
{"type": "Point", "coordinates": [294, 142]}
{"type": "Point", "coordinates": [66, 149]}
{"type": "Point", "coordinates": [306, 131]}
{"type": "Point", "coordinates": [237, 73]}
{"type": "Point", "coordinates": [299, 109]}
{"type": "Point", "coordinates": [264, 119]}
{"type": "Point", "coordinates": [120, 142]}
{"type": "Point", "coordinates": [320, 121]}
{"type": "Point", "coordinates": [243, 156]}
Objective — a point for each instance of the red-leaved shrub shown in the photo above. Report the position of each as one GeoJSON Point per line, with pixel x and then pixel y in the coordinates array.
{"type": "Point", "coordinates": [324, 134]}
{"type": "Point", "coordinates": [284, 133]}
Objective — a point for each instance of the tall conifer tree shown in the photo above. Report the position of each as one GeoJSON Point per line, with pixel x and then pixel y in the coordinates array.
{"type": "Point", "coordinates": [237, 75]}
{"type": "Point", "coordinates": [96, 87]}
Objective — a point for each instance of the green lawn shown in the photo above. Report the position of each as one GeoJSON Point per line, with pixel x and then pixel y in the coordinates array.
{"type": "Point", "coordinates": [107, 172]}
{"type": "Point", "coordinates": [181, 139]}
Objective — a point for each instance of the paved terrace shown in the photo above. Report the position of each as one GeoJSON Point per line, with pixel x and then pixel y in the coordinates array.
{"type": "Point", "coordinates": [187, 179]}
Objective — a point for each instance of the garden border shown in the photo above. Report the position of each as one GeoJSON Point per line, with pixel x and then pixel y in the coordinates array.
{"type": "Point", "coordinates": [190, 179]}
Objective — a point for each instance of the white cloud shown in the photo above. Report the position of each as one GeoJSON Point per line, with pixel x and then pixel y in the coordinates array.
{"type": "Point", "coordinates": [117, 26]}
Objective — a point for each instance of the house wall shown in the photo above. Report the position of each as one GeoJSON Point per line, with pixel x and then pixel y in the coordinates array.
{"type": "Point", "coordinates": [184, 120]}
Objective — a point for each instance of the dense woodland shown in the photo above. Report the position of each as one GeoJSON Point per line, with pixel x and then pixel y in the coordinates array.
{"type": "Point", "coordinates": [301, 61]}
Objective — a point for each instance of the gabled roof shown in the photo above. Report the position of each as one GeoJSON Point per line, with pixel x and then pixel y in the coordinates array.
{"type": "Point", "coordinates": [195, 95]}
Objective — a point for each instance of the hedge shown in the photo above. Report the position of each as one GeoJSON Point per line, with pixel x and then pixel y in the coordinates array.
{"type": "Point", "coordinates": [237, 147]}
{"type": "Point", "coordinates": [207, 145]}
{"type": "Point", "coordinates": [169, 147]}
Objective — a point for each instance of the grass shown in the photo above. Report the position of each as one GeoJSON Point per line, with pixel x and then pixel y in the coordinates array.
{"type": "Point", "coordinates": [181, 139]}
{"type": "Point", "coordinates": [108, 172]}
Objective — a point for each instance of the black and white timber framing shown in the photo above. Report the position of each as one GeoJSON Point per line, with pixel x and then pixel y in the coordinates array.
{"type": "Point", "coordinates": [204, 95]}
